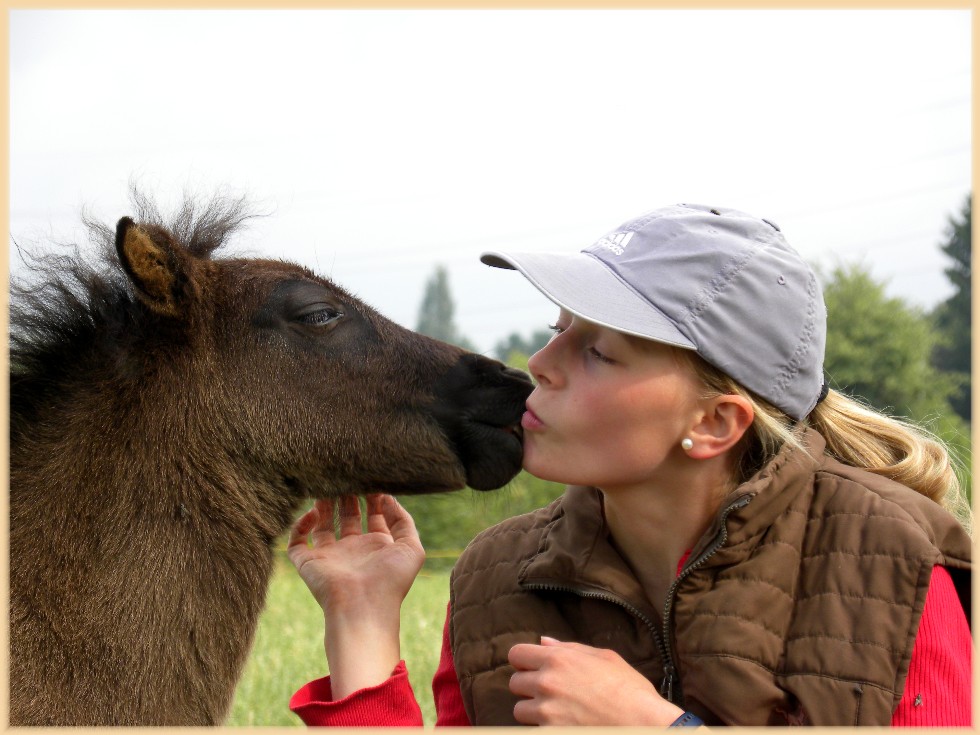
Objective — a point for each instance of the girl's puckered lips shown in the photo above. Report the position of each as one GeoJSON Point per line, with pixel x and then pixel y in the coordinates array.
{"type": "Point", "coordinates": [530, 421]}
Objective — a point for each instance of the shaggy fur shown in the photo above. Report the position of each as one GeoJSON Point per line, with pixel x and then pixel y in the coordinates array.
{"type": "Point", "coordinates": [169, 412]}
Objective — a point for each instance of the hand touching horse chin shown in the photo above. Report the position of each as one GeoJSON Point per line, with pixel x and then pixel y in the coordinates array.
{"type": "Point", "coordinates": [360, 580]}
{"type": "Point", "coordinates": [574, 684]}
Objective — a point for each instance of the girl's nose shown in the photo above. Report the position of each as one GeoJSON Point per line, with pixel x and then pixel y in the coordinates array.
{"type": "Point", "coordinates": [543, 364]}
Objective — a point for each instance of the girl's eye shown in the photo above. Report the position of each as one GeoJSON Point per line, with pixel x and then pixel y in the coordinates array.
{"type": "Point", "coordinates": [592, 350]}
{"type": "Point", "coordinates": [319, 317]}
{"type": "Point", "coordinates": [599, 356]}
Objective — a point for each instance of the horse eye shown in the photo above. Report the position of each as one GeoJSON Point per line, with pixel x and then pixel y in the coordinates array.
{"type": "Point", "coordinates": [319, 317]}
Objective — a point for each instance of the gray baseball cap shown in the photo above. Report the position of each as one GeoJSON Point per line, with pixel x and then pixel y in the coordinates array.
{"type": "Point", "coordinates": [717, 281]}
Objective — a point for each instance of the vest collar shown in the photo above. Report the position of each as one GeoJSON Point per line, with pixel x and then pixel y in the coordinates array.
{"type": "Point", "coordinates": [773, 488]}
{"type": "Point", "coordinates": [575, 552]}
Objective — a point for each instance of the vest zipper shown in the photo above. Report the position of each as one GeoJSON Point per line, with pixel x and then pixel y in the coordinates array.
{"type": "Point", "coordinates": [608, 597]}
{"type": "Point", "coordinates": [670, 672]}
{"type": "Point", "coordinates": [661, 637]}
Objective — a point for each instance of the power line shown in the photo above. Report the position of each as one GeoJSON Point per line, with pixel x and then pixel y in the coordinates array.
{"type": "Point", "coordinates": [958, 183]}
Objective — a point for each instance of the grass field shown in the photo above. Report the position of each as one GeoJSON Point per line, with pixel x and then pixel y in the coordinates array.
{"type": "Point", "coordinates": [288, 650]}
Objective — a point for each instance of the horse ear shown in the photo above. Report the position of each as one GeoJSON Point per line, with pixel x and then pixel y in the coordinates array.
{"type": "Point", "coordinates": [157, 269]}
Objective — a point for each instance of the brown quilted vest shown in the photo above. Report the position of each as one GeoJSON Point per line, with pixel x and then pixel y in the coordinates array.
{"type": "Point", "coordinates": [799, 606]}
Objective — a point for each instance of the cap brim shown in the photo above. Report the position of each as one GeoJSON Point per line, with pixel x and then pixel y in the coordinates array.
{"type": "Point", "coordinates": [582, 285]}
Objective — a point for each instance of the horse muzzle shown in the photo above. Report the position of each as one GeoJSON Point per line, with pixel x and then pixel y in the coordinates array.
{"type": "Point", "coordinates": [479, 403]}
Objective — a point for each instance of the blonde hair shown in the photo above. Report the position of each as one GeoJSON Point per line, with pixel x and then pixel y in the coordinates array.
{"type": "Point", "coordinates": [856, 435]}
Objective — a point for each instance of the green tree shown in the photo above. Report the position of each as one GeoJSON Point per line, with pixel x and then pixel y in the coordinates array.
{"type": "Point", "coordinates": [515, 343]}
{"type": "Point", "coordinates": [952, 317]}
{"type": "Point", "coordinates": [436, 314]}
{"type": "Point", "coordinates": [879, 349]}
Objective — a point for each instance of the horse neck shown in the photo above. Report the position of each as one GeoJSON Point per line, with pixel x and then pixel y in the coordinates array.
{"type": "Point", "coordinates": [157, 434]}
{"type": "Point", "coordinates": [145, 550]}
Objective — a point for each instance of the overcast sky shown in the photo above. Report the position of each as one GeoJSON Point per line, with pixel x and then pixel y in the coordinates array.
{"type": "Point", "coordinates": [386, 142]}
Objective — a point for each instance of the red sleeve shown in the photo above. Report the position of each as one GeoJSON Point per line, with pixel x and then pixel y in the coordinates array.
{"type": "Point", "coordinates": [390, 704]}
{"type": "Point", "coordinates": [937, 690]}
{"type": "Point", "coordinates": [445, 686]}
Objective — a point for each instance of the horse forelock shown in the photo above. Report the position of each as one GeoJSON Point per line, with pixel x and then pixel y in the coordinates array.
{"type": "Point", "coordinates": [200, 226]}
{"type": "Point", "coordinates": [75, 298]}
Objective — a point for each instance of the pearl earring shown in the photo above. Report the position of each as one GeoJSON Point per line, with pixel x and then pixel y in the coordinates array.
{"type": "Point", "coordinates": [687, 444]}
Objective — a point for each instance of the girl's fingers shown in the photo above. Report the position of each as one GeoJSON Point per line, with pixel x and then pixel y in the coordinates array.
{"type": "Point", "coordinates": [302, 528]}
{"type": "Point", "coordinates": [527, 656]}
{"type": "Point", "coordinates": [323, 532]}
{"type": "Point", "coordinates": [398, 519]}
{"type": "Point", "coordinates": [350, 516]}
{"type": "Point", "coordinates": [521, 683]}
{"type": "Point", "coordinates": [376, 522]}
{"type": "Point", "coordinates": [383, 513]}
{"type": "Point", "coordinates": [526, 712]}
{"type": "Point", "coordinates": [548, 642]}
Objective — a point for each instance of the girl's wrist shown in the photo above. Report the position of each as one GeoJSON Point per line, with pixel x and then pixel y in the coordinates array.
{"type": "Point", "coordinates": [687, 719]}
{"type": "Point", "coordinates": [377, 628]}
{"type": "Point", "coordinates": [358, 599]}
{"type": "Point", "coordinates": [349, 611]}
{"type": "Point", "coordinates": [361, 653]}
{"type": "Point", "coordinates": [663, 712]}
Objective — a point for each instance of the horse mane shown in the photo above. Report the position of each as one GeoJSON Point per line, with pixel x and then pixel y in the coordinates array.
{"type": "Point", "coordinates": [67, 304]}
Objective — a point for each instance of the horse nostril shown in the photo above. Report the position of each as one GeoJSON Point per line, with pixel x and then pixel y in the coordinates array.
{"type": "Point", "coordinates": [516, 373]}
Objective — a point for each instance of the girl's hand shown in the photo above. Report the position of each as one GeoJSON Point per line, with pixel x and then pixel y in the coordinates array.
{"type": "Point", "coordinates": [574, 684]}
{"type": "Point", "coordinates": [360, 580]}
{"type": "Point", "coordinates": [355, 568]}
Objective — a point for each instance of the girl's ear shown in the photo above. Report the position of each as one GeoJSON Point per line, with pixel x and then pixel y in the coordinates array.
{"type": "Point", "coordinates": [724, 422]}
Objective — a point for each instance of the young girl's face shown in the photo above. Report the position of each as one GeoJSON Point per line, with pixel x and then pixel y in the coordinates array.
{"type": "Point", "coordinates": [609, 410]}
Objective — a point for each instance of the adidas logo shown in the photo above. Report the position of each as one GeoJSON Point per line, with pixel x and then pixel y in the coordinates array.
{"type": "Point", "coordinates": [615, 242]}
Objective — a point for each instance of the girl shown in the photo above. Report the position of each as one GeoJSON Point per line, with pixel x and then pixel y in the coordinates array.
{"type": "Point", "coordinates": [738, 544]}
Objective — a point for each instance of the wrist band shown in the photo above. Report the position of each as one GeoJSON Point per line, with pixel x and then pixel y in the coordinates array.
{"type": "Point", "coordinates": [688, 719]}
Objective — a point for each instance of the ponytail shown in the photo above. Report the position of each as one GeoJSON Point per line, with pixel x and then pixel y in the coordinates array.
{"type": "Point", "coordinates": [902, 451]}
{"type": "Point", "coordinates": [856, 435]}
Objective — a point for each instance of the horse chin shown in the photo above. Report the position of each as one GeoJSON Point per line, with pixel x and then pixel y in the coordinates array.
{"type": "Point", "coordinates": [500, 459]}
{"type": "Point", "coordinates": [337, 487]}
{"type": "Point", "coordinates": [426, 487]}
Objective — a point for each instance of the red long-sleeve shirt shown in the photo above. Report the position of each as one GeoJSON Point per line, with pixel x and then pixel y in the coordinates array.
{"type": "Point", "coordinates": [937, 690]}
